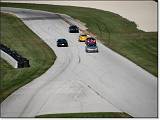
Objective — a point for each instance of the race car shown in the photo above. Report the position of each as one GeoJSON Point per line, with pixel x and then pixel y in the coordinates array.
{"type": "Point", "coordinates": [73, 29]}
{"type": "Point", "coordinates": [82, 38]}
{"type": "Point", "coordinates": [91, 48]}
{"type": "Point", "coordinates": [90, 41]}
{"type": "Point", "coordinates": [62, 43]}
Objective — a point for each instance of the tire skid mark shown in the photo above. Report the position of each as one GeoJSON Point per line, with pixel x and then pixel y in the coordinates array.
{"type": "Point", "coordinates": [60, 87]}
{"type": "Point", "coordinates": [73, 56]}
{"type": "Point", "coordinates": [79, 59]}
{"type": "Point", "coordinates": [103, 97]}
{"type": "Point", "coordinates": [42, 86]}
{"type": "Point", "coordinates": [96, 92]}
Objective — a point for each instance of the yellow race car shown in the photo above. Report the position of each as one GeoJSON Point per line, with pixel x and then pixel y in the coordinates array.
{"type": "Point", "coordinates": [82, 38]}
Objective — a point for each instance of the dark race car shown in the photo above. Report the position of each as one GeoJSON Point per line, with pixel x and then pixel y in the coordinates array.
{"type": "Point", "coordinates": [62, 43]}
{"type": "Point", "coordinates": [73, 29]}
{"type": "Point", "coordinates": [90, 41]}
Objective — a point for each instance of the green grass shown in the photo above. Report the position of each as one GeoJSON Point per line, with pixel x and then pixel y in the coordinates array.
{"type": "Point", "coordinates": [87, 115]}
{"type": "Point", "coordinates": [18, 37]}
{"type": "Point", "coordinates": [142, 50]}
{"type": "Point", "coordinates": [114, 31]}
{"type": "Point", "coordinates": [5, 65]}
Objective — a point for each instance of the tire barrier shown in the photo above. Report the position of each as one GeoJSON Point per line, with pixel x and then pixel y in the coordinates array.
{"type": "Point", "coordinates": [20, 61]}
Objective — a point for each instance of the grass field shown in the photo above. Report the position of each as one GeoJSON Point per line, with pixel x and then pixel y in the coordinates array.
{"type": "Point", "coordinates": [88, 115]}
{"type": "Point", "coordinates": [18, 37]}
{"type": "Point", "coordinates": [116, 32]}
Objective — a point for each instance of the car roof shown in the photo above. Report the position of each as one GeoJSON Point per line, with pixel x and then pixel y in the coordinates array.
{"type": "Point", "coordinates": [62, 39]}
{"type": "Point", "coordinates": [73, 26]}
{"type": "Point", "coordinates": [91, 45]}
{"type": "Point", "coordinates": [91, 38]}
{"type": "Point", "coordinates": [83, 34]}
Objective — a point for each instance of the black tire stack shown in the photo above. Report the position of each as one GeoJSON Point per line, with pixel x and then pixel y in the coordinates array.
{"type": "Point", "coordinates": [22, 62]}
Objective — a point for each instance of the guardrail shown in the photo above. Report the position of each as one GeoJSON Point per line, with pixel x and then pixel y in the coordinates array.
{"type": "Point", "coordinates": [12, 57]}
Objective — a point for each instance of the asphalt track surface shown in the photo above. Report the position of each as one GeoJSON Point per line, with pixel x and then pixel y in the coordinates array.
{"type": "Point", "coordinates": [80, 81]}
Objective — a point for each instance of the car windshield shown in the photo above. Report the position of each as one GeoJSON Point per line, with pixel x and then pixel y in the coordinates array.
{"type": "Point", "coordinates": [62, 40]}
{"type": "Point", "coordinates": [73, 26]}
{"type": "Point", "coordinates": [91, 45]}
{"type": "Point", "coordinates": [90, 39]}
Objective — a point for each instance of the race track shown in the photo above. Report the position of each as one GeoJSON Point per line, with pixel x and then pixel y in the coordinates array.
{"type": "Point", "coordinates": [80, 81]}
